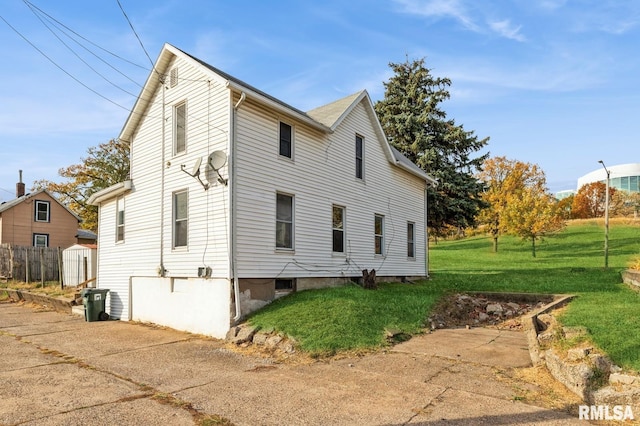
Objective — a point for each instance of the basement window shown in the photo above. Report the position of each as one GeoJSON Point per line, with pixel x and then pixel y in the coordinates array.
{"type": "Point", "coordinates": [285, 285]}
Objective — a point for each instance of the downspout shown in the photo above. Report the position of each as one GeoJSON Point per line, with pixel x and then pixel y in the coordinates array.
{"type": "Point", "coordinates": [232, 190]}
{"type": "Point", "coordinates": [426, 233]}
{"type": "Point", "coordinates": [160, 270]}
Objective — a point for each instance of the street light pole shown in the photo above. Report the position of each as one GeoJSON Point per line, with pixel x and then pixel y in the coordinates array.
{"type": "Point", "coordinates": [606, 218]}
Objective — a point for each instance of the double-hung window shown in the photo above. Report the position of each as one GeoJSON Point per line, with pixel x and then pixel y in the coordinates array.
{"type": "Point", "coordinates": [180, 219]}
{"type": "Point", "coordinates": [41, 240]}
{"type": "Point", "coordinates": [284, 221]}
{"type": "Point", "coordinates": [411, 240]}
{"type": "Point", "coordinates": [42, 213]}
{"type": "Point", "coordinates": [338, 229]}
{"type": "Point", "coordinates": [359, 157]}
{"type": "Point", "coordinates": [120, 219]}
{"type": "Point", "coordinates": [286, 140]}
{"type": "Point", "coordinates": [180, 128]}
{"type": "Point", "coordinates": [379, 234]}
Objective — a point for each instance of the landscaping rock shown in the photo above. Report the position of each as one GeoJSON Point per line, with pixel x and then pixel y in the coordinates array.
{"type": "Point", "coordinates": [245, 334]}
{"type": "Point", "coordinates": [576, 354]}
{"type": "Point", "coordinates": [624, 379]}
{"type": "Point", "coordinates": [494, 308]}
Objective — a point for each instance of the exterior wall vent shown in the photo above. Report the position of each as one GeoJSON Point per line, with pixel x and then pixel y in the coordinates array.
{"type": "Point", "coordinates": [173, 77]}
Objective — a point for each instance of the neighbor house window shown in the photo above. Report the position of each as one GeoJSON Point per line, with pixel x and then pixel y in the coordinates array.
{"type": "Point", "coordinates": [120, 219]}
{"type": "Point", "coordinates": [359, 157]}
{"type": "Point", "coordinates": [286, 140]}
{"type": "Point", "coordinates": [284, 221]}
{"type": "Point", "coordinates": [41, 240]}
{"type": "Point", "coordinates": [42, 211]}
{"type": "Point", "coordinates": [411, 240]}
{"type": "Point", "coordinates": [180, 128]}
{"type": "Point", "coordinates": [379, 233]}
{"type": "Point", "coordinates": [338, 229]}
{"type": "Point", "coordinates": [180, 219]}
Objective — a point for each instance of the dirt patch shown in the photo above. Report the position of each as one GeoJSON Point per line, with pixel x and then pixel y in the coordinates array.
{"type": "Point", "coordinates": [482, 310]}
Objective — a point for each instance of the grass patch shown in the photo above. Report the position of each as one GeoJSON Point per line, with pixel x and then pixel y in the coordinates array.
{"type": "Point", "coordinates": [350, 318]}
{"type": "Point", "coordinates": [326, 321]}
{"type": "Point", "coordinates": [50, 288]}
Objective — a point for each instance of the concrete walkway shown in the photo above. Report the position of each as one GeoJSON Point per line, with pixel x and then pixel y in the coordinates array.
{"type": "Point", "coordinates": [57, 369]}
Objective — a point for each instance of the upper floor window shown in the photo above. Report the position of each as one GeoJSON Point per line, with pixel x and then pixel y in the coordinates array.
{"type": "Point", "coordinates": [338, 229]}
{"type": "Point", "coordinates": [411, 240]}
{"type": "Point", "coordinates": [180, 219]}
{"type": "Point", "coordinates": [284, 221]}
{"type": "Point", "coordinates": [120, 219]}
{"type": "Point", "coordinates": [359, 156]}
{"type": "Point", "coordinates": [286, 140]}
{"type": "Point", "coordinates": [379, 234]}
{"type": "Point", "coordinates": [41, 240]}
{"type": "Point", "coordinates": [42, 213]}
{"type": "Point", "coordinates": [180, 128]}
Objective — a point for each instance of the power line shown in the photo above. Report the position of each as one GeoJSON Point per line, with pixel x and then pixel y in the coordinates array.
{"type": "Point", "coordinates": [136, 34]}
{"type": "Point", "coordinates": [80, 58]}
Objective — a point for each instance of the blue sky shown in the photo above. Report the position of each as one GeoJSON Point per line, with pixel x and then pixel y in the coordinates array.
{"type": "Point", "coordinates": [551, 82]}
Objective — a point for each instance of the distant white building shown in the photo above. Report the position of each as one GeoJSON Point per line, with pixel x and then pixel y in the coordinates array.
{"type": "Point", "coordinates": [625, 177]}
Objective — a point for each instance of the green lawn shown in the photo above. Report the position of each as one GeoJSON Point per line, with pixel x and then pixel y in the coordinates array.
{"type": "Point", "coordinates": [351, 318]}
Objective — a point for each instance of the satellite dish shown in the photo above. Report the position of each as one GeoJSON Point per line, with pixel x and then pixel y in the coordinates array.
{"type": "Point", "coordinates": [196, 167]}
{"type": "Point", "coordinates": [217, 160]}
{"type": "Point", "coordinates": [195, 172]}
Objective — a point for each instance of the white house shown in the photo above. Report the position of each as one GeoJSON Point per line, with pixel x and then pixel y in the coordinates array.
{"type": "Point", "coordinates": [235, 198]}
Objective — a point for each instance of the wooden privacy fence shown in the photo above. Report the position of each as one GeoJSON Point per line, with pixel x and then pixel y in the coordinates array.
{"type": "Point", "coordinates": [24, 263]}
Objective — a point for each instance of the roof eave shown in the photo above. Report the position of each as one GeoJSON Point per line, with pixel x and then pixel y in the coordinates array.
{"type": "Point", "coordinates": [109, 193]}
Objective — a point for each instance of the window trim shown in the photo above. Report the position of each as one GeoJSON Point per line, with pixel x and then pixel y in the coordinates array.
{"type": "Point", "coordinates": [175, 219]}
{"type": "Point", "coordinates": [176, 106]}
{"type": "Point", "coordinates": [342, 229]}
{"type": "Point", "coordinates": [120, 226]}
{"type": "Point", "coordinates": [291, 246]}
{"type": "Point", "coordinates": [35, 237]}
{"type": "Point", "coordinates": [36, 211]}
{"type": "Point", "coordinates": [411, 240]}
{"type": "Point", "coordinates": [359, 156]}
{"type": "Point", "coordinates": [291, 140]}
{"type": "Point", "coordinates": [378, 236]}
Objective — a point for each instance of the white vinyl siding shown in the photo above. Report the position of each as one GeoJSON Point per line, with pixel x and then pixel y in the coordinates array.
{"type": "Point", "coordinates": [321, 177]}
{"type": "Point", "coordinates": [149, 216]}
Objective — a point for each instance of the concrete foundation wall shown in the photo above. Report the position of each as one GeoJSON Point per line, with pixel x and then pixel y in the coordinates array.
{"type": "Point", "coordinates": [196, 305]}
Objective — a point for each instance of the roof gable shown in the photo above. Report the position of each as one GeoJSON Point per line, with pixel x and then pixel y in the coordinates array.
{"type": "Point", "coordinates": [325, 118]}
{"type": "Point", "coordinates": [10, 204]}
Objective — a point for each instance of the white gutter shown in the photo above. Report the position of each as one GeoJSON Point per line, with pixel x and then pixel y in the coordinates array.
{"type": "Point", "coordinates": [110, 192]}
{"type": "Point", "coordinates": [232, 190]}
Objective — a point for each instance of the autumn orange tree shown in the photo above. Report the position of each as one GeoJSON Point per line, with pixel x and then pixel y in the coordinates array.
{"type": "Point", "coordinates": [504, 178]}
{"type": "Point", "coordinates": [105, 165]}
{"type": "Point", "coordinates": [589, 201]}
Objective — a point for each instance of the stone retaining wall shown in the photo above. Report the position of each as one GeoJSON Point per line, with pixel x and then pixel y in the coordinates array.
{"type": "Point", "coordinates": [588, 374]}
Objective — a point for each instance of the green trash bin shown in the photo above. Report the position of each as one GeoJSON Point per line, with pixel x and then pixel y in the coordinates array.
{"type": "Point", "coordinates": [94, 300]}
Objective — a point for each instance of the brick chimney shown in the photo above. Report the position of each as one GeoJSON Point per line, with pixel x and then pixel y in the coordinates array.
{"type": "Point", "coordinates": [20, 187]}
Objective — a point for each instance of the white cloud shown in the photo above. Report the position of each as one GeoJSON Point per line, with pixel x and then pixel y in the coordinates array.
{"type": "Point", "coordinates": [454, 9]}
{"type": "Point", "coordinates": [505, 29]}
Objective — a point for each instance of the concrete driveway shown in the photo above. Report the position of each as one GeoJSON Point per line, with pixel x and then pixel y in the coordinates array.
{"type": "Point", "coordinates": [57, 369]}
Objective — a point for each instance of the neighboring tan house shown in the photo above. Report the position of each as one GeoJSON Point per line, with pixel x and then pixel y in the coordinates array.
{"type": "Point", "coordinates": [37, 219]}
{"type": "Point", "coordinates": [236, 198]}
